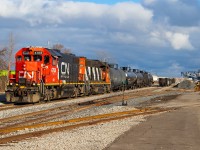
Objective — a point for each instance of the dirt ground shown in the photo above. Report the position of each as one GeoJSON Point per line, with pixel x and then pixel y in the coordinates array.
{"type": "Point", "coordinates": [175, 130]}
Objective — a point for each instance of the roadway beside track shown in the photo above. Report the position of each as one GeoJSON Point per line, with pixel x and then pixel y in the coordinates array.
{"type": "Point", "coordinates": [179, 129]}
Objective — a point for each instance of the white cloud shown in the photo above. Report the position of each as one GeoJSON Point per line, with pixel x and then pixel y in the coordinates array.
{"type": "Point", "coordinates": [127, 14]}
{"type": "Point", "coordinates": [149, 2]}
{"type": "Point", "coordinates": [156, 39]}
{"type": "Point", "coordinates": [131, 15]}
{"type": "Point", "coordinates": [179, 41]}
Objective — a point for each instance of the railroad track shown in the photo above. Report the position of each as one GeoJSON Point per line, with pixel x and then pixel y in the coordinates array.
{"type": "Point", "coordinates": [73, 123]}
{"type": "Point", "coordinates": [6, 106]}
{"type": "Point", "coordinates": [44, 118]}
{"type": "Point", "coordinates": [53, 113]}
{"type": "Point", "coordinates": [13, 106]}
{"type": "Point", "coordinates": [46, 115]}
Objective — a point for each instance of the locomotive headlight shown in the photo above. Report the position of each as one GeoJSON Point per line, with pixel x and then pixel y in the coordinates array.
{"type": "Point", "coordinates": [11, 83]}
{"type": "Point", "coordinates": [24, 67]}
{"type": "Point", "coordinates": [34, 83]}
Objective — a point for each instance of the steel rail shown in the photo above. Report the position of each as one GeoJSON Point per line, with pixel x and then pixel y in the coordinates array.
{"type": "Point", "coordinates": [14, 129]}
{"type": "Point", "coordinates": [92, 120]}
{"type": "Point", "coordinates": [64, 99]}
{"type": "Point", "coordinates": [53, 116]}
{"type": "Point", "coordinates": [117, 99]}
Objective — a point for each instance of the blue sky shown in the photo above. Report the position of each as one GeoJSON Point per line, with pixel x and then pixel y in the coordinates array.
{"type": "Point", "coordinates": [107, 1]}
{"type": "Point", "coordinates": [159, 36]}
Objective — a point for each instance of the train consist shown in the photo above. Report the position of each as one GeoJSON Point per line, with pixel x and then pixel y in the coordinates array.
{"type": "Point", "coordinates": [42, 74]}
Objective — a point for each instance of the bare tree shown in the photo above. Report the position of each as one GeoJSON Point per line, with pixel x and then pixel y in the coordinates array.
{"type": "Point", "coordinates": [58, 46]}
{"type": "Point", "coordinates": [6, 54]}
{"type": "Point", "coordinates": [104, 56]}
{"type": "Point", "coordinates": [3, 51]}
{"type": "Point", "coordinates": [6, 60]}
{"type": "Point", "coordinates": [66, 50]}
{"type": "Point", "coordinates": [3, 63]}
{"type": "Point", "coordinates": [62, 48]}
{"type": "Point", "coordinates": [11, 45]}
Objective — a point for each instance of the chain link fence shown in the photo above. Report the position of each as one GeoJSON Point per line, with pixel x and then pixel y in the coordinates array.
{"type": "Point", "coordinates": [3, 83]}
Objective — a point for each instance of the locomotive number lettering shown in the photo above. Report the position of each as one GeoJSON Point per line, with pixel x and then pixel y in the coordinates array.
{"type": "Point", "coordinates": [37, 53]}
{"type": "Point", "coordinates": [30, 75]}
{"type": "Point", "coordinates": [65, 70]}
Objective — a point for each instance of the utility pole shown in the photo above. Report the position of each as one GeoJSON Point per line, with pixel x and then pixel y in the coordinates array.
{"type": "Point", "coordinates": [124, 102]}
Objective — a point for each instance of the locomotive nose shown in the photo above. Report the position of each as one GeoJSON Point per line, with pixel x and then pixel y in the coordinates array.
{"type": "Point", "coordinates": [24, 67]}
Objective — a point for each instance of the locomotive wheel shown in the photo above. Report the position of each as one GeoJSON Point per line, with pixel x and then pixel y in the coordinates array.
{"type": "Point", "coordinates": [48, 97]}
{"type": "Point", "coordinates": [108, 89]}
{"type": "Point", "coordinates": [104, 89]}
{"type": "Point", "coordinates": [49, 94]}
{"type": "Point", "coordinates": [76, 93]}
{"type": "Point", "coordinates": [8, 97]}
{"type": "Point", "coordinates": [36, 97]}
{"type": "Point", "coordinates": [87, 90]}
{"type": "Point", "coordinates": [30, 98]}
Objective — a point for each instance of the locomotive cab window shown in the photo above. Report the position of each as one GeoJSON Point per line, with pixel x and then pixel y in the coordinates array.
{"type": "Point", "coordinates": [54, 61]}
{"type": "Point", "coordinates": [19, 58]}
{"type": "Point", "coordinates": [37, 57]}
{"type": "Point", "coordinates": [27, 57]}
{"type": "Point", "coordinates": [46, 59]}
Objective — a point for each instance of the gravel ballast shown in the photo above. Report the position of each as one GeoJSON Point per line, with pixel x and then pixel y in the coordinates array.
{"type": "Point", "coordinates": [94, 137]}
{"type": "Point", "coordinates": [186, 84]}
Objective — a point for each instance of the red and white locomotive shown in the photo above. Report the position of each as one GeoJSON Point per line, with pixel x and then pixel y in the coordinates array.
{"type": "Point", "coordinates": [45, 74]}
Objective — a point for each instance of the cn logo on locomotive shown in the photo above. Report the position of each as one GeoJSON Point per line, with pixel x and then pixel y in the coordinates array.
{"type": "Point", "coordinates": [64, 70]}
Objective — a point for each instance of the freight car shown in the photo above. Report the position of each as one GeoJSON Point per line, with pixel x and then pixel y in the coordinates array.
{"type": "Point", "coordinates": [166, 81]}
{"type": "Point", "coordinates": [118, 78]}
{"type": "Point", "coordinates": [139, 81]}
{"type": "Point", "coordinates": [45, 74]}
{"type": "Point", "coordinates": [131, 78]}
{"type": "Point", "coordinates": [136, 78]}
